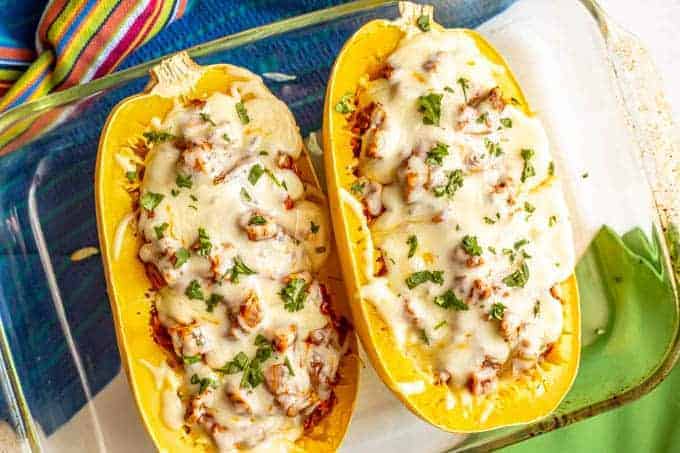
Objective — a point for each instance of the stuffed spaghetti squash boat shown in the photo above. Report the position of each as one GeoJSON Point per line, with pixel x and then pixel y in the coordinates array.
{"type": "Point", "coordinates": [454, 235]}
{"type": "Point", "coordinates": [216, 243]}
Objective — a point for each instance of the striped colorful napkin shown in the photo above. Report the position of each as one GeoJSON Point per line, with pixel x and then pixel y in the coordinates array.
{"type": "Point", "coordinates": [75, 41]}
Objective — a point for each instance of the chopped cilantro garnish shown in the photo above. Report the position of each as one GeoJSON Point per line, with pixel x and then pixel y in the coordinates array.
{"type": "Point", "coordinates": [174, 192]}
{"type": "Point", "coordinates": [506, 122]}
{"type": "Point", "coordinates": [440, 324]}
{"type": "Point", "coordinates": [471, 246]}
{"type": "Point", "coordinates": [489, 220]}
{"type": "Point", "coordinates": [346, 104]}
{"type": "Point", "coordinates": [160, 230]}
{"type": "Point", "coordinates": [213, 301]}
{"type": "Point", "coordinates": [294, 294]}
{"type": "Point", "coordinates": [286, 362]}
{"type": "Point", "coordinates": [157, 136]}
{"type": "Point", "coordinates": [584, 175]}
{"type": "Point", "coordinates": [184, 181]}
{"type": "Point", "coordinates": [131, 175]}
{"type": "Point", "coordinates": [455, 182]}
{"type": "Point", "coordinates": [181, 257]}
{"type": "Point", "coordinates": [255, 172]}
{"type": "Point", "coordinates": [235, 365]}
{"type": "Point", "coordinates": [420, 277]}
{"type": "Point", "coordinates": [528, 207]}
{"type": "Point", "coordinates": [493, 148]}
{"type": "Point", "coordinates": [423, 22]}
{"type": "Point", "coordinates": [242, 113]}
{"type": "Point", "coordinates": [552, 220]}
{"type": "Point", "coordinates": [412, 242]}
{"type": "Point", "coordinates": [313, 227]}
{"type": "Point", "coordinates": [518, 278]}
{"type": "Point", "coordinates": [206, 118]}
{"type": "Point", "coordinates": [203, 383]}
{"type": "Point", "coordinates": [204, 244]}
{"type": "Point", "coordinates": [528, 170]}
{"type": "Point", "coordinates": [150, 200]}
{"type": "Point", "coordinates": [483, 118]}
{"type": "Point", "coordinates": [465, 85]}
{"type": "Point", "coordinates": [257, 220]}
{"type": "Point", "coordinates": [449, 89]}
{"type": "Point", "coordinates": [492, 249]}
{"type": "Point", "coordinates": [519, 244]}
{"type": "Point", "coordinates": [357, 188]}
{"type": "Point", "coordinates": [245, 195]}
{"type": "Point", "coordinates": [437, 154]}
{"type": "Point", "coordinates": [226, 138]}
{"type": "Point", "coordinates": [274, 179]}
{"type": "Point", "coordinates": [239, 268]}
{"type": "Point", "coordinates": [430, 106]}
{"type": "Point", "coordinates": [497, 311]}
{"type": "Point", "coordinates": [449, 300]}
{"type": "Point", "coordinates": [537, 308]}
{"type": "Point", "coordinates": [194, 290]}
{"type": "Point", "coordinates": [190, 359]}
{"type": "Point", "coordinates": [551, 168]}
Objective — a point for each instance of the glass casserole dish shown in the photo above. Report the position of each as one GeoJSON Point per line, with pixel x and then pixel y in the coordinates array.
{"type": "Point", "coordinates": [590, 83]}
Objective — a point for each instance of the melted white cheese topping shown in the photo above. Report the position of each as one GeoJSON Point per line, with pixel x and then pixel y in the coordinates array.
{"type": "Point", "coordinates": [233, 243]}
{"type": "Point", "coordinates": [484, 209]}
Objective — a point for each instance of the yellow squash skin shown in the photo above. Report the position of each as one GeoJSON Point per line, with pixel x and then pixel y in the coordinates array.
{"type": "Point", "coordinates": [513, 403]}
{"type": "Point", "coordinates": [129, 287]}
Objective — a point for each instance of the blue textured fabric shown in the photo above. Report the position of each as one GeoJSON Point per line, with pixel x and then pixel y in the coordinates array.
{"type": "Point", "coordinates": [47, 200]}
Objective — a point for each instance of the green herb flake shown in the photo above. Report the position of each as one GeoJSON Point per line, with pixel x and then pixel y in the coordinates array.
{"type": "Point", "coordinates": [203, 383]}
{"type": "Point", "coordinates": [204, 244]}
{"type": "Point", "coordinates": [483, 118]}
{"type": "Point", "coordinates": [184, 181]}
{"type": "Point", "coordinates": [489, 220]}
{"type": "Point", "coordinates": [194, 290]}
{"type": "Point", "coordinates": [245, 195]}
{"type": "Point", "coordinates": [430, 106]}
{"type": "Point", "coordinates": [440, 324]}
{"type": "Point", "coordinates": [257, 220]}
{"type": "Point", "coordinates": [519, 278]}
{"type": "Point", "coordinates": [239, 268]}
{"type": "Point", "coordinates": [313, 227]}
{"type": "Point", "coordinates": [423, 22]}
{"type": "Point", "coordinates": [274, 179]}
{"type": "Point", "coordinates": [158, 136]}
{"type": "Point", "coordinates": [449, 301]}
{"type": "Point", "coordinates": [242, 113]}
{"type": "Point", "coordinates": [436, 155]}
{"type": "Point", "coordinates": [528, 207]}
{"type": "Point", "coordinates": [256, 171]}
{"type": "Point", "coordinates": [506, 122]}
{"type": "Point", "coordinates": [420, 277]}
{"type": "Point", "coordinates": [357, 188]}
{"type": "Point", "coordinates": [235, 365]}
{"type": "Point", "coordinates": [174, 192]}
{"type": "Point", "coordinates": [551, 168]}
{"type": "Point", "coordinates": [286, 362]}
{"type": "Point", "coordinates": [492, 249]}
{"type": "Point", "coordinates": [424, 337]}
{"type": "Point", "coordinates": [294, 294]}
{"type": "Point", "coordinates": [346, 104]}
{"type": "Point", "coordinates": [454, 182]}
{"type": "Point", "coordinates": [552, 221]}
{"type": "Point", "coordinates": [181, 257]}
{"type": "Point", "coordinates": [449, 89]}
{"type": "Point", "coordinates": [584, 175]}
{"type": "Point", "coordinates": [471, 246]}
{"type": "Point", "coordinates": [160, 230]}
{"type": "Point", "coordinates": [519, 244]}
{"type": "Point", "coordinates": [151, 200]}
{"type": "Point", "coordinates": [497, 311]}
{"type": "Point", "coordinates": [191, 359]}
{"type": "Point", "coordinates": [528, 170]}
{"type": "Point", "coordinates": [226, 137]}
{"type": "Point", "coordinates": [206, 118]}
{"type": "Point", "coordinates": [493, 148]}
{"type": "Point", "coordinates": [131, 175]}
{"type": "Point", "coordinates": [212, 302]}
{"type": "Point", "coordinates": [412, 243]}
{"type": "Point", "coordinates": [465, 86]}
{"type": "Point", "coordinates": [537, 308]}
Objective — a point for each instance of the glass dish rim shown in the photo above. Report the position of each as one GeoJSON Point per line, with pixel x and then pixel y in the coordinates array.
{"type": "Point", "coordinates": [79, 92]}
